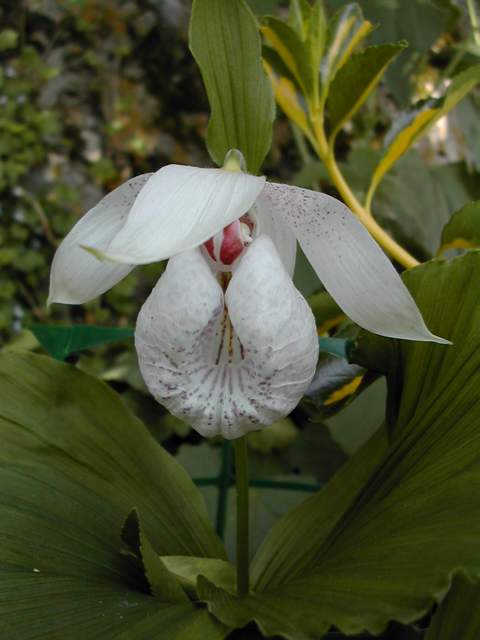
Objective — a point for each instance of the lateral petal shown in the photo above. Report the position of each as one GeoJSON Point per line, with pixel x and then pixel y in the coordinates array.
{"type": "Point", "coordinates": [179, 209]}
{"type": "Point", "coordinates": [279, 231]}
{"type": "Point", "coordinates": [349, 262]}
{"type": "Point", "coordinates": [76, 276]}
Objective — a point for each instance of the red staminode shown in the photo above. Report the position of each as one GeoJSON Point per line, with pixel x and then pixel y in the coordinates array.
{"type": "Point", "coordinates": [227, 245]}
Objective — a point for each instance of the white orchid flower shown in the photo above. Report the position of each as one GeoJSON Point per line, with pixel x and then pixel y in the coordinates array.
{"type": "Point", "coordinates": [225, 341]}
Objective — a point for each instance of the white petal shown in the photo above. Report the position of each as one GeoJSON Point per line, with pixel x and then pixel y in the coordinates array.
{"type": "Point", "coordinates": [199, 371]}
{"type": "Point", "coordinates": [77, 276]}
{"type": "Point", "coordinates": [349, 262]}
{"type": "Point", "coordinates": [179, 209]}
{"type": "Point", "coordinates": [283, 237]}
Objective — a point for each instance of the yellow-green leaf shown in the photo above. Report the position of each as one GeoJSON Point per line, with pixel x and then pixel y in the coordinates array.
{"type": "Point", "coordinates": [292, 50]}
{"type": "Point", "coordinates": [345, 32]}
{"type": "Point", "coordinates": [298, 16]}
{"type": "Point", "coordinates": [288, 100]}
{"type": "Point", "coordinates": [356, 80]}
{"type": "Point", "coordinates": [299, 45]}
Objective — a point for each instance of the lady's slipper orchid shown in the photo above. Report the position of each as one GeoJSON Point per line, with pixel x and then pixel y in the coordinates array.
{"type": "Point", "coordinates": [225, 341]}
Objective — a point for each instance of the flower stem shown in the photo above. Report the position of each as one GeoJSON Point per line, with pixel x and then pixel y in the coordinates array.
{"type": "Point", "coordinates": [325, 153]}
{"type": "Point", "coordinates": [223, 486]}
{"type": "Point", "coordinates": [241, 476]}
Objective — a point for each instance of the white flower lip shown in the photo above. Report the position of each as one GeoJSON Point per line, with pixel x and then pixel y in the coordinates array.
{"type": "Point", "coordinates": [223, 384]}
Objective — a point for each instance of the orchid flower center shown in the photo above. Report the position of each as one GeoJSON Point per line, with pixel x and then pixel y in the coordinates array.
{"type": "Point", "coordinates": [225, 247]}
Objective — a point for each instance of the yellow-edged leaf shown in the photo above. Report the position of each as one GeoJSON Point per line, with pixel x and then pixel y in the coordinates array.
{"type": "Point", "coordinates": [293, 52]}
{"type": "Point", "coordinates": [355, 81]}
{"type": "Point", "coordinates": [288, 100]}
{"type": "Point", "coordinates": [416, 123]}
{"type": "Point", "coordinates": [344, 392]}
{"type": "Point", "coordinates": [346, 30]}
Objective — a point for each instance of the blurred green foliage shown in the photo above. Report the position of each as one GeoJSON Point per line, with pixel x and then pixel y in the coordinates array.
{"type": "Point", "coordinates": [91, 93]}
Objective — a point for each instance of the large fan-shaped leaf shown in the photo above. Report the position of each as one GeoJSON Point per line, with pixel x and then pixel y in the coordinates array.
{"type": "Point", "coordinates": [73, 464]}
{"type": "Point", "coordinates": [50, 607]}
{"type": "Point", "coordinates": [382, 539]}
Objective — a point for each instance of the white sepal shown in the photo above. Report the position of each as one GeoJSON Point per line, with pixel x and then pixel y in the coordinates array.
{"type": "Point", "coordinates": [350, 264]}
{"type": "Point", "coordinates": [219, 382]}
{"type": "Point", "coordinates": [179, 209]}
{"type": "Point", "coordinates": [76, 276]}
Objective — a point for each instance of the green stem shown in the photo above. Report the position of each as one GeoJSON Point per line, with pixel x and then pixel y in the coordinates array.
{"type": "Point", "coordinates": [241, 477]}
{"type": "Point", "coordinates": [223, 486]}
{"type": "Point", "coordinates": [326, 154]}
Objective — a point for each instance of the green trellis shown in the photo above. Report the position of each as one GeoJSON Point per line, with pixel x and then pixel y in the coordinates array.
{"type": "Point", "coordinates": [226, 479]}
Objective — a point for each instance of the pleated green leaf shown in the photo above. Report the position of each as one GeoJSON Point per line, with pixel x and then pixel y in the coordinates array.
{"type": "Point", "coordinates": [459, 614]}
{"type": "Point", "coordinates": [380, 542]}
{"type": "Point", "coordinates": [225, 42]}
{"type": "Point", "coordinates": [51, 607]}
{"type": "Point", "coordinates": [73, 464]}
